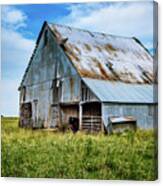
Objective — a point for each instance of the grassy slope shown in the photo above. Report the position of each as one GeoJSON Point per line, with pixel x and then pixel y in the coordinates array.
{"type": "Point", "coordinates": [27, 153]}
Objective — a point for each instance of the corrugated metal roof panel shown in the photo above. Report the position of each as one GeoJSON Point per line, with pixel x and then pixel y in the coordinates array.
{"type": "Point", "coordinates": [108, 91]}
{"type": "Point", "coordinates": [104, 56]}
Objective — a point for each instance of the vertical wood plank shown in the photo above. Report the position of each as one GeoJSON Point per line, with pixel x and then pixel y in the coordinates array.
{"type": "Point", "coordinates": [80, 116]}
{"type": "Point", "coordinates": [102, 125]}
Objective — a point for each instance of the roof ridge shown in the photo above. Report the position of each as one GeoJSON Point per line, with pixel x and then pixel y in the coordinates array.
{"type": "Point", "coordinates": [93, 32]}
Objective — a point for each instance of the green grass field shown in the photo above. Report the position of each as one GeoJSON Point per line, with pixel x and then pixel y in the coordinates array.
{"type": "Point", "coordinates": [36, 153]}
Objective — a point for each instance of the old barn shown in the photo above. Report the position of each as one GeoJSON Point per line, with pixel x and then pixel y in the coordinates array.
{"type": "Point", "coordinates": [88, 79]}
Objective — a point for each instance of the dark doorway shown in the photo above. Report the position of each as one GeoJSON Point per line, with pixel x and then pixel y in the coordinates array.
{"type": "Point", "coordinates": [91, 117]}
{"type": "Point", "coordinates": [92, 109]}
{"type": "Point", "coordinates": [26, 115]}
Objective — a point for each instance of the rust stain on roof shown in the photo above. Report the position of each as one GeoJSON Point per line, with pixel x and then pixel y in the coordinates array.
{"type": "Point", "coordinates": [98, 48]}
{"type": "Point", "coordinates": [103, 72]}
{"type": "Point", "coordinates": [87, 47]}
{"type": "Point", "coordinates": [74, 48]}
{"type": "Point", "coordinates": [90, 52]}
{"type": "Point", "coordinates": [77, 49]}
{"type": "Point", "coordinates": [86, 73]}
{"type": "Point", "coordinates": [126, 76]}
{"type": "Point", "coordinates": [115, 75]}
{"type": "Point", "coordinates": [147, 77]}
{"type": "Point", "coordinates": [109, 48]}
{"type": "Point", "coordinates": [72, 56]}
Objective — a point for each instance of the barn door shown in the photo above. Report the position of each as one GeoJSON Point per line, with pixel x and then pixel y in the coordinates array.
{"type": "Point", "coordinates": [25, 115]}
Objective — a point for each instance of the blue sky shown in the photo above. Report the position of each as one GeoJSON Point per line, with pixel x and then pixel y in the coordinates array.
{"type": "Point", "coordinates": [22, 23]}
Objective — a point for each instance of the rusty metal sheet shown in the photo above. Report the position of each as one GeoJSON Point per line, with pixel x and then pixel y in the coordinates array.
{"type": "Point", "coordinates": [103, 56]}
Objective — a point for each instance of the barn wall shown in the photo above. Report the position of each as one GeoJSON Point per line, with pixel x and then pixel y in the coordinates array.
{"type": "Point", "coordinates": [42, 94]}
{"type": "Point", "coordinates": [70, 89]}
{"type": "Point", "coordinates": [87, 94]}
{"type": "Point", "coordinates": [144, 113]}
{"type": "Point", "coordinates": [69, 111]}
{"type": "Point", "coordinates": [48, 63]}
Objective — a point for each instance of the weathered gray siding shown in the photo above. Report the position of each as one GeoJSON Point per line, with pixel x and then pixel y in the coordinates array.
{"type": "Point", "coordinates": [69, 111]}
{"type": "Point", "coordinates": [70, 89]}
{"type": "Point", "coordinates": [49, 62]}
{"type": "Point", "coordinates": [144, 113]}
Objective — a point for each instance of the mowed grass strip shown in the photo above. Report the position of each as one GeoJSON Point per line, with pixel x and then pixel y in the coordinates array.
{"type": "Point", "coordinates": [36, 153]}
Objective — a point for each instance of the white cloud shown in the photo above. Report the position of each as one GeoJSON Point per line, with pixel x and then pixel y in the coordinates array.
{"type": "Point", "coordinates": [16, 48]}
{"type": "Point", "coordinates": [15, 53]}
{"type": "Point", "coordinates": [125, 19]}
{"type": "Point", "coordinates": [13, 17]}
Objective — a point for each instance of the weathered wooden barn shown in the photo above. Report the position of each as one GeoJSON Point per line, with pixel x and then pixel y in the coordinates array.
{"type": "Point", "coordinates": [87, 77]}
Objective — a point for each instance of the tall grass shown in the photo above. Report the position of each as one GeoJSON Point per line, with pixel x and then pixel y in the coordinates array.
{"type": "Point", "coordinates": [28, 153]}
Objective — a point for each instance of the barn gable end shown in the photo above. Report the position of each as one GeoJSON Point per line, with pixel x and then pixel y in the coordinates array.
{"type": "Point", "coordinates": [49, 69]}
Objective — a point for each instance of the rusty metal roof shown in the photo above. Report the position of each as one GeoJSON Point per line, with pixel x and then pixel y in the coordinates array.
{"type": "Point", "coordinates": [121, 92]}
{"type": "Point", "coordinates": [103, 56]}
